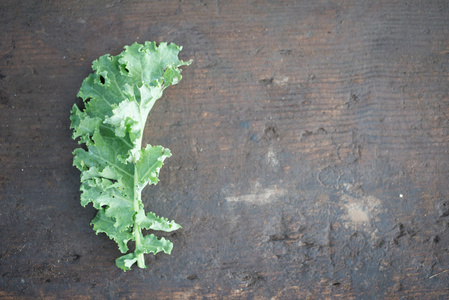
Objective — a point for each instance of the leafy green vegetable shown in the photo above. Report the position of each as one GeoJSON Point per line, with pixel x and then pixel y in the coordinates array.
{"type": "Point", "coordinates": [114, 167]}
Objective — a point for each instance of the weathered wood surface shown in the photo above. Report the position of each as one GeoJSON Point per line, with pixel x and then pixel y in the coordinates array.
{"type": "Point", "coordinates": [309, 138]}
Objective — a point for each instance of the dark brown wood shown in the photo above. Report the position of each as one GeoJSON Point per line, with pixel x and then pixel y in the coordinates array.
{"type": "Point", "coordinates": [310, 150]}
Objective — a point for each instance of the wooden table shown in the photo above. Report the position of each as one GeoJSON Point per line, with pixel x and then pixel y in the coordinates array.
{"type": "Point", "coordinates": [310, 150]}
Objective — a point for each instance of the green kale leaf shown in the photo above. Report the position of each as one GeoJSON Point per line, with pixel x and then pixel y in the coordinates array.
{"type": "Point", "coordinates": [118, 97]}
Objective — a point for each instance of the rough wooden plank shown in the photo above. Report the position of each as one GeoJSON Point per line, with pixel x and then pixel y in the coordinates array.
{"type": "Point", "coordinates": [309, 144]}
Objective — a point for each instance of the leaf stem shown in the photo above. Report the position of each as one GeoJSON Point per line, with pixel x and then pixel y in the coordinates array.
{"type": "Point", "coordinates": [140, 256]}
{"type": "Point", "coordinates": [137, 231]}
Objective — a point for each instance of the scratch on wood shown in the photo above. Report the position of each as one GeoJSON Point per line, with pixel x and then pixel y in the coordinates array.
{"type": "Point", "coordinates": [264, 196]}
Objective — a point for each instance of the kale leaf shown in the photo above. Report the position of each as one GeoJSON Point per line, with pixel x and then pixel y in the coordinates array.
{"type": "Point", "coordinates": [118, 97]}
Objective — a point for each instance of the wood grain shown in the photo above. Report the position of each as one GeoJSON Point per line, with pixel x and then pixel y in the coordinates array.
{"type": "Point", "coordinates": [309, 143]}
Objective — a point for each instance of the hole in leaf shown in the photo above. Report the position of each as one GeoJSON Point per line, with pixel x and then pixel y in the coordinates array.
{"type": "Point", "coordinates": [124, 69]}
{"type": "Point", "coordinates": [102, 79]}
